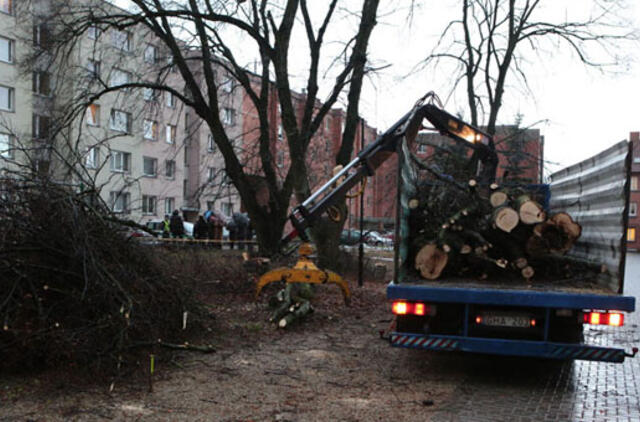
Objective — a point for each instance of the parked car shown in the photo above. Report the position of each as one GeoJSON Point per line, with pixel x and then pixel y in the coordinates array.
{"type": "Point", "coordinates": [349, 237]}
{"type": "Point", "coordinates": [376, 239]}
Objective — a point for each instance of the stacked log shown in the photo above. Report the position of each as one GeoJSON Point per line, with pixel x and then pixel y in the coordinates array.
{"type": "Point", "coordinates": [488, 231]}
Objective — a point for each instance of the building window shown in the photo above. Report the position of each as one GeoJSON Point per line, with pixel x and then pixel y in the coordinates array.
{"type": "Point", "coordinates": [422, 148]}
{"type": "Point", "coordinates": [150, 53]}
{"type": "Point", "coordinates": [121, 40]}
{"type": "Point", "coordinates": [170, 135]}
{"type": "Point", "coordinates": [150, 94]}
{"type": "Point", "coordinates": [41, 36]}
{"type": "Point", "coordinates": [170, 99]}
{"type": "Point", "coordinates": [150, 130]}
{"type": "Point", "coordinates": [280, 132]}
{"type": "Point", "coordinates": [6, 98]}
{"type": "Point", "coordinates": [5, 146]}
{"type": "Point", "coordinates": [170, 63]}
{"type": "Point", "coordinates": [93, 68]}
{"type": "Point", "coordinates": [119, 201]}
{"type": "Point", "coordinates": [169, 205]}
{"type": "Point", "coordinates": [634, 182]}
{"type": "Point", "coordinates": [149, 205]}
{"type": "Point", "coordinates": [227, 208]}
{"type": "Point", "coordinates": [149, 166]}
{"type": "Point", "coordinates": [633, 209]}
{"type": "Point", "coordinates": [41, 83]}
{"type": "Point", "coordinates": [92, 158]}
{"type": "Point", "coordinates": [280, 159]}
{"type": "Point", "coordinates": [93, 32]}
{"type": "Point", "coordinates": [211, 145]}
{"type": "Point", "coordinates": [631, 234]}
{"type": "Point", "coordinates": [327, 123]}
{"type": "Point", "coordinates": [120, 161]}
{"type": "Point", "coordinates": [40, 126]}
{"type": "Point", "coordinates": [228, 116]}
{"type": "Point", "coordinates": [118, 78]}
{"type": "Point", "coordinates": [211, 174]}
{"type": "Point", "coordinates": [6, 6]}
{"type": "Point", "coordinates": [170, 169]}
{"type": "Point", "coordinates": [6, 50]}
{"type": "Point", "coordinates": [93, 115]}
{"type": "Point", "coordinates": [120, 121]}
{"type": "Point", "coordinates": [227, 84]}
{"type": "Point", "coordinates": [636, 160]}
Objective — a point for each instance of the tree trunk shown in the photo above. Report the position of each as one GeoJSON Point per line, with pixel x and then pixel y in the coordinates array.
{"type": "Point", "coordinates": [326, 234]}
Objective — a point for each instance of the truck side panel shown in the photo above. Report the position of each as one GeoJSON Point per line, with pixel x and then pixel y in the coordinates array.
{"type": "Point", "coordinates": [595, 192]}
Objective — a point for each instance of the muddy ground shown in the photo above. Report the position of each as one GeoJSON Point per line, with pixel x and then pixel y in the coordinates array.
{"type": "Point", "coordinates": [332, 366]}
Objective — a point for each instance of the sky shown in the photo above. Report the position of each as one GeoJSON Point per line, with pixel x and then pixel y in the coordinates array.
{"type": "Point", "coordinates": [584, 110]}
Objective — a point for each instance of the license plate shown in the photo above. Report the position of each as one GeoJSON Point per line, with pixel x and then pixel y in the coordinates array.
{"type": "Point", "coordinates": [506, 321]}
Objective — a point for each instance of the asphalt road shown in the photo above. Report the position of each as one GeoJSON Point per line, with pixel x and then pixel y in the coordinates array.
{"type": "Point", "coordinates": [514, 389]}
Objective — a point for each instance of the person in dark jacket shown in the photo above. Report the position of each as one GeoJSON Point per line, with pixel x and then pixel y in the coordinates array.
{"type": "Point", "coordinates": [175, 224]}
{"type": "Point", "coordinates": [200, 229]}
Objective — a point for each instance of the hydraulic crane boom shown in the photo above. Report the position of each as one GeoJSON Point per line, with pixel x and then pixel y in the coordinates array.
{"type": "Point", "coordinates": [365, 164]}
{"type": "Point", "coordinates": [372, 156]}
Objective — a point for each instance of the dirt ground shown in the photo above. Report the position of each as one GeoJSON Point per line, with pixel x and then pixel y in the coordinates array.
{"type": "Point", "coordinates": [332, 366]}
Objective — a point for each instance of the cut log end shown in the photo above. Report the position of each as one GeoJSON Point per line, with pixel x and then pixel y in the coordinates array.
{"type": "Point", "coordinates": [531, 212]}
{"type": "Point", "coordinates": [505, 219]}
{"type": "Point", "coordinates": [527, 272]}
{"type": "Point", "coordinates": [498, 198]}
{"type": "Point", "coordinates": [430, 261]}
{"type": "Point", "coordinates": [520, 263]}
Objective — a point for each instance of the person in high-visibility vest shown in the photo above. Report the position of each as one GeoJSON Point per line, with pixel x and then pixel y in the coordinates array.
{"type": "Point", "coordinates": [166, 229]}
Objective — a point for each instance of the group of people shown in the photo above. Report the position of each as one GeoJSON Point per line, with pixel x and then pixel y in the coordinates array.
{"type": "Point", "coordinates": [210, 226]}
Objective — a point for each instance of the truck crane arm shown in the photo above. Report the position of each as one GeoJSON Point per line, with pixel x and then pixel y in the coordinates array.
{"type": "Point", "coordinates": [365, 164]}
{"type": "Point", "coordinates": [373, 155]}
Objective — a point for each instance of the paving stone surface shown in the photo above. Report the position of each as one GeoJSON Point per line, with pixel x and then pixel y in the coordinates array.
{"type": "Point", "coordinates": [515, 389]}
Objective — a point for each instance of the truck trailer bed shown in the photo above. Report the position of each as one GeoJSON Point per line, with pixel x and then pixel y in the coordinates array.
{"type": "Point", "coordinates": [580, 285]}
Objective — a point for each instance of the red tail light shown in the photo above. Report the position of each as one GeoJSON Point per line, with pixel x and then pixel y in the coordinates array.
{"type": "Point", "coordinates": [401, 307]}
{"type": "Point", "coordinates": [614, 319]}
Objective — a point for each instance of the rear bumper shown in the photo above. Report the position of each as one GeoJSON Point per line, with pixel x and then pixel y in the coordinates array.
{"type": "Point", "coordinates": [537, 349]}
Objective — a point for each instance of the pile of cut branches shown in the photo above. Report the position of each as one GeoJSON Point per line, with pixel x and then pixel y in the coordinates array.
{"type": "Point", "coordinates": [74, 287]}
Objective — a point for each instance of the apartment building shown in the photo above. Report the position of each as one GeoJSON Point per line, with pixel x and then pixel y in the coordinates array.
{"type": "Point", "coordinates": [16, 105]}
{"type": "Point", "coordinates": [208, 187]}
{"type": "Point", "coordinates": [144, 151]}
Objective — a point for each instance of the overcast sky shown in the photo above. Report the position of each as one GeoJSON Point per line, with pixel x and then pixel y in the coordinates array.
{"type": "Point", "coordinates": [586, 110]}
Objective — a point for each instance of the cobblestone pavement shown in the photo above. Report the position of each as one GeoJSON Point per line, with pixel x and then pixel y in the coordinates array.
{"type": "Point", "coordinates": [513, 389]}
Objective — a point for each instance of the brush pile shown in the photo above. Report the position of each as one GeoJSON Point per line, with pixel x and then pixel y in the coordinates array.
{"type": "Point", "coordinates": [75, 287]}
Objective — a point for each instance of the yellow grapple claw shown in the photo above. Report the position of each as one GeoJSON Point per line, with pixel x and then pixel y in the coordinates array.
{"type": "Point", "coordinates": [305, 271]}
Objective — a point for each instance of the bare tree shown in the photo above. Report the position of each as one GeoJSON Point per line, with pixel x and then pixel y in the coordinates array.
{"type": "Point", "coordinates": [199, 38]}
{"type": "Point", "coordinates": [494, 41]}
